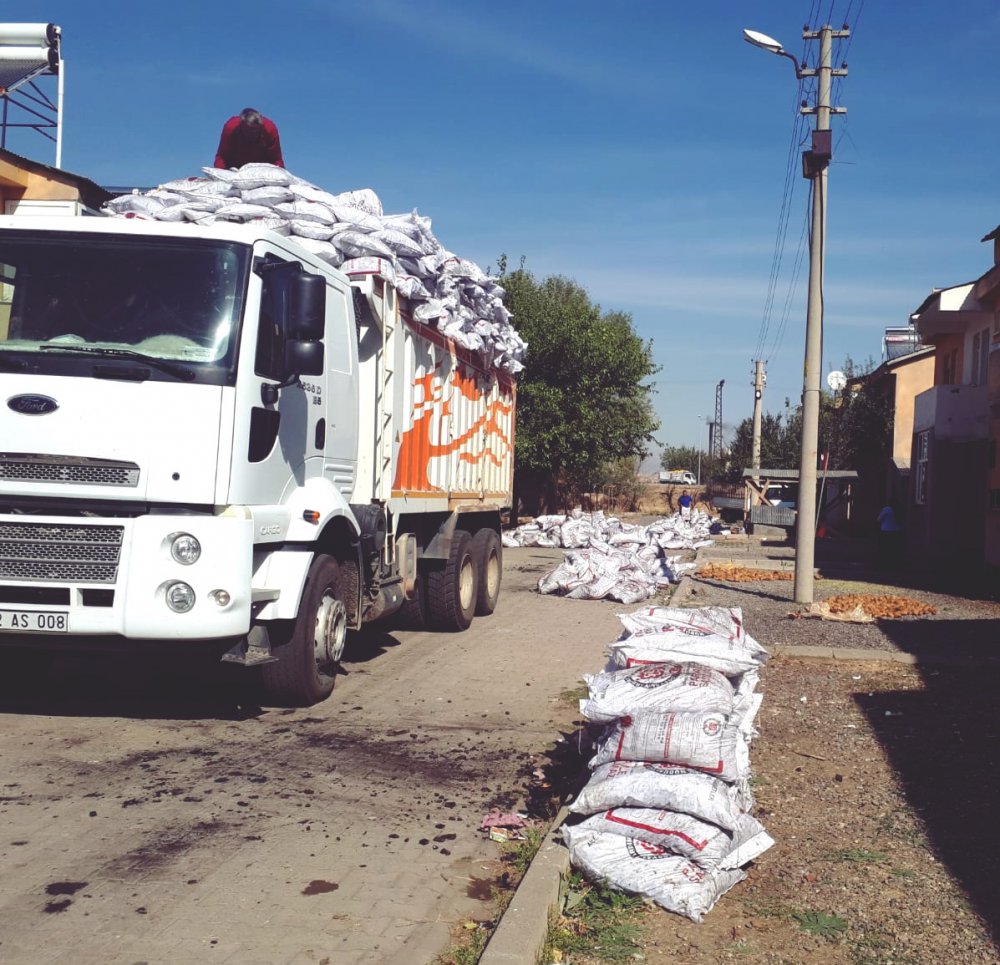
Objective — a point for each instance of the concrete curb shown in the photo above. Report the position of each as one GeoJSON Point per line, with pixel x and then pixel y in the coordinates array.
{"type": "Point", "coordinates": [520, 936]}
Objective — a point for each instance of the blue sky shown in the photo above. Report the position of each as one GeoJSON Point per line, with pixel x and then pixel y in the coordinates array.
{"type": "Point", "coordinates": [639, 148]}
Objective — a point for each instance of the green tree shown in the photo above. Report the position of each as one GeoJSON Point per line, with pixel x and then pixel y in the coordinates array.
{"type": "Point", "coordinates": [583, 400]}
{"type": "Point", "coordinates": [854, 424]}
{"type": "Point", "coordinates": [780, 440]}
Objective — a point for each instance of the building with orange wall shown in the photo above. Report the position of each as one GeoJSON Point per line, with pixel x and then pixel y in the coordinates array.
{"type": "Point", "coordinates": [30, 187]}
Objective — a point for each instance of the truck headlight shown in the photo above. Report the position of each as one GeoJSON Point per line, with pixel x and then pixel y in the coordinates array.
{"type": "Point", "coordinates": [179, 597]}
{"type": "Point", "coordinates": [184, 548]}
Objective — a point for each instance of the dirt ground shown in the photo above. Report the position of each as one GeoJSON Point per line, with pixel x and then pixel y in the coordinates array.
{"type": "Point", "coordinates": [879, 783]}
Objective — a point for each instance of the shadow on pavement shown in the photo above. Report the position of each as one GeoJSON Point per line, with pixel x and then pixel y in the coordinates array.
{"type": "Point", "coordinates": [145, 686]}
{"type": "Point", "coordinates": [944, 744]}
{"type": "Point", "coordinates": [123, 685]}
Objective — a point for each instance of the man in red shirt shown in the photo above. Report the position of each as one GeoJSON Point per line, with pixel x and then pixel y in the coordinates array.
{"type": "Point", "coordinates": [248, 137]}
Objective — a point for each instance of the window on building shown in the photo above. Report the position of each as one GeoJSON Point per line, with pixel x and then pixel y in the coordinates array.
{"type": "Point", "coordinates": [949, 364]}
{"type": "Point", "coordinates": [980, 357]}
{"type": "Point", "coordinates": [923, 462]}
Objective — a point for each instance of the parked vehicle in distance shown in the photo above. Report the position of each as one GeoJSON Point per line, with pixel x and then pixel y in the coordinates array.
{"type": "Point", "coordinates": [683, 477]}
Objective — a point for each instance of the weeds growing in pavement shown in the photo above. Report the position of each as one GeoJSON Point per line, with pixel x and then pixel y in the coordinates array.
{"type": "Point", "coordinates": [519, 854]}
{"type": "Point", "coordinates": [469, 949]}
{"type": "Point", "coordinates": [595, 920]}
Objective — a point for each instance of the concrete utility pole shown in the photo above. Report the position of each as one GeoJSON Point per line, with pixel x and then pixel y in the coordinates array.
{"type": "Point", "coordinates": [815, 165]}
{"type": "Point", "coordinates": [759, 378]}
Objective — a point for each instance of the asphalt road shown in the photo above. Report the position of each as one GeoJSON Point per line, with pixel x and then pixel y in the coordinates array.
{"type": "Point", "coordinates": [151, 816]}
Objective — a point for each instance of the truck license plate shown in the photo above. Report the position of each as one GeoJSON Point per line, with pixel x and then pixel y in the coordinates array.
{"type": "Point", "coordinates": [33, 621]}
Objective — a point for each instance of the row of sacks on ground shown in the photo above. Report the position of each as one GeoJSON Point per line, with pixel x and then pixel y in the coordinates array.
{"type": "Point", "coordinates": [667, 811]}
{"type": "Point", "coordinates": [615, 560]}
{"type": "Point", "coordinates": [351, 232]}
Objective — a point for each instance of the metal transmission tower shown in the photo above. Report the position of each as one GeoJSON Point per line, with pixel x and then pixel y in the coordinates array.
{"type": "Point", "coordinates": [716, 440]}
{"type": "Point", "coordinates": [29, 51]}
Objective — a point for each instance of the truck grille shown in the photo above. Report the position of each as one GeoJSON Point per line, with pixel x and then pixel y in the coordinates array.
{"type": "Point", "coordinates": [60, 552]}
{"type": "Point", "coordinates": [21, 467]}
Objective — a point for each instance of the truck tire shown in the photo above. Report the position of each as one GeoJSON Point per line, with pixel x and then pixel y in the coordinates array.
{"type": "Point", "coordinates": [412, 615]}
{"type": "Point", "coordinates": [308, 660]}
{"type": "Point", "coordinates": [452, 589]}
{"type": "Point", "coordinates": [487, 551]}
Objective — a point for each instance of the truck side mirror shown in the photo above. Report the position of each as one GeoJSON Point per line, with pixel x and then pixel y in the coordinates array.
{"type": "Point", "coordinates": [304, 358]}
{"type": "Point", "coordinates": [306, 308]}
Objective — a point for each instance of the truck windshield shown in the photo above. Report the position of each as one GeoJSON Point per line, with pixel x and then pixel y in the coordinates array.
{"type": "Point", "coordinates": [175, 301]}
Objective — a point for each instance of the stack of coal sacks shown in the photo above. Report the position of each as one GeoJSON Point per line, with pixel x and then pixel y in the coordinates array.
{"type": "Point", "coordinates": [349, 231]}
{"type": "Point", "coordinates": [666, 813]}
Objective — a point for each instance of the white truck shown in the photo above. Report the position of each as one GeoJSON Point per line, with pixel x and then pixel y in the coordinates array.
{"type": "Point", "coordinates": [683, 477]}
{"type": "Point", "coordinates": [211, 436]}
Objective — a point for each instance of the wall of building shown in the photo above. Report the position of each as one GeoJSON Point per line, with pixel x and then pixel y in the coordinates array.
{"type": "Point", "coordinates": [949, 357]}
{"type": "Point", "coordinates": [912, 378]}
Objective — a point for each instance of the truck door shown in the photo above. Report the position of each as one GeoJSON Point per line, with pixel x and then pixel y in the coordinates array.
{"type": "Point", "coordinates": [277, 442]}
{"type": "Point", "coordinates": [340, 452]}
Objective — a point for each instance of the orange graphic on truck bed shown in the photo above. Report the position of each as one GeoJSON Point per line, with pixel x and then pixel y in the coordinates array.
{"type": "Point", "coordinates": [458, 416]}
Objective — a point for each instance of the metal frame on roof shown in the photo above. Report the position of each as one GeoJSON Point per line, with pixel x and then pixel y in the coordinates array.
{"type": "Point", "coordinates": [29, 51]}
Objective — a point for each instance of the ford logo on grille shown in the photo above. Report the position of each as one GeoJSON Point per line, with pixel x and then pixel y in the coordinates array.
{"type": "Point", "coordinates": [32, 404]}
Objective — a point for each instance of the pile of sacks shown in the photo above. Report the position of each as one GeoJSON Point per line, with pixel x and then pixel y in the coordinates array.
{"type": "Point", "coordinates": [611, 559]}
{"type": "Point", "coordinates": [349, 231]}
{"type": "Point", "coordinates": [666, 812]}
{"type": "Point", "coordinates": [579, 530]}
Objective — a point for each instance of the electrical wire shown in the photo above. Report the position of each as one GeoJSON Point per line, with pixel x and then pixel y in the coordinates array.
{"type": "Point", "coordinates": [788, 190]}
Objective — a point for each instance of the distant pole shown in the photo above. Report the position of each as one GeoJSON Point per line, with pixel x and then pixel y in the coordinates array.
{"type": "Point", "coordinates": [815, 164]}
{"type": "Point", "coordinates": [758, 393]}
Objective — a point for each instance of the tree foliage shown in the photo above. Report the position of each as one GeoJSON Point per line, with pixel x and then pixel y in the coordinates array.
{"type": "Point", "coordinates": [583, 399]}
{"type": "Point", "coordinates": [780, 440]}
{"type": "Point", "coordinates": [854, 424]}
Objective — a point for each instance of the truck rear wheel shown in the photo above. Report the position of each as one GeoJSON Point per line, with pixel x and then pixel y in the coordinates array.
{"type": "Point", "coordinates": [412, 615]}
{"type": "Point", "coordinates": [488, 553]}
{"type": "Point", "coordinates": [307, 664]}
{"type": "Point", "coordinates": [452, 589]}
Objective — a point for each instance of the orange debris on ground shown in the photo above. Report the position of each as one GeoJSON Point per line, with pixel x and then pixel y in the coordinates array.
{"type": "Point", "coordinates": [883, 606]}
{"type": "Point", "coordinates": [740, 574]}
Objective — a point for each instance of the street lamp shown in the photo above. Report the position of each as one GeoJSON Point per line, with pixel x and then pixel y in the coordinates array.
{"type": "Point", "coordinates": [815, 163]}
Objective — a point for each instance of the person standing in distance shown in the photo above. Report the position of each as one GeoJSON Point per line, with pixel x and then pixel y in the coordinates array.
{"type": "Point", "coordinates": [248, 137]}
{"type": "Point", "coordinates": [685, 503]}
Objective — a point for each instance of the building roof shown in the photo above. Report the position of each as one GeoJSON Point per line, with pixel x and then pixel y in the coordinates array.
{"type": "Point", "coordinates": [91, 194]}
{"type": "Point", "coordinates": [793, 474]}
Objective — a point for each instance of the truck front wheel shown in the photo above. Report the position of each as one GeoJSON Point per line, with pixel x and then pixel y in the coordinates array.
{"type": "Point", "coordinates": [307, 664]}
{"type": "Point", "coordinates": [452, 589]}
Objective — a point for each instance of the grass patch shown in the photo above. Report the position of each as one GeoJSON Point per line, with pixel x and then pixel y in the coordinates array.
{"type": "Point", "coordinates": [903, 873]}
{"type": "Point", "coordinates": [518, 855]}
{"type": "Point", "coordinates": [595, 920]}
{"type": "Point", "coordinates": [861, 856]}
{"type": "Point", "coordinates": [768, 908]}
{"type": "Point", "coordinates": [830, 927]}
{"type": "Point", "coordinates": [575, 695]}
{"type": "Point", "coordinates": [468, 949]}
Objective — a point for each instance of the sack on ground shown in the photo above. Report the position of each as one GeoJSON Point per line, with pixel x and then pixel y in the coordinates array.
{"type": "Point", "coordinates": [645, 869]}
{"type": "Point", "coordinates": [707, 845]}
{"type": "Point", "coordinates": [713, 743]}
{"type": "Point", "coordinates": [662, 687]}
{"type": "Point", "coordinates": [646, 784]}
